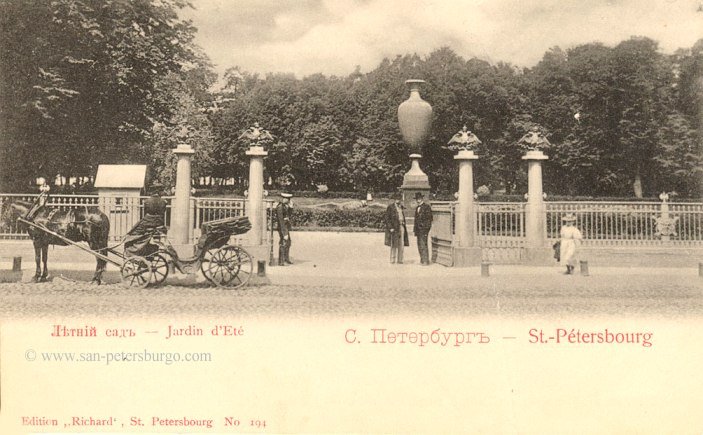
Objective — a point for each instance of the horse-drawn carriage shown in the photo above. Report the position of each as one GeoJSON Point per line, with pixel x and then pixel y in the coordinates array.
{"type": "Point", "coordinates": [221, 263]}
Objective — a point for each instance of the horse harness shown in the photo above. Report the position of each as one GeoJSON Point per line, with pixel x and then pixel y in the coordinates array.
{"type": "Point", "coordinates": [63, 224]}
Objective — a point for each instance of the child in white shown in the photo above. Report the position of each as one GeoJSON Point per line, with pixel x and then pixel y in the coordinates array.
{"type": "Point", "coordinates": [570, 241]}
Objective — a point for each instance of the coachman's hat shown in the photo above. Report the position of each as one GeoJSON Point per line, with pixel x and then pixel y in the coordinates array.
{"type": "Point", "coordinates": [286, 195]}
{"type": "Point", "coordinates": [419, 195]}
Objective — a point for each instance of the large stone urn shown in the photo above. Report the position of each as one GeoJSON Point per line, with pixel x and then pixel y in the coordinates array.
{"type": "Point", "coordinates": [414, 120]}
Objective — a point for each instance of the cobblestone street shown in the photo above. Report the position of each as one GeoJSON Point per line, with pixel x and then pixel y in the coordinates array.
{"type": "Point", "coordinates": [328, 281]}
{"type": "Point", "coordinates": [498, 296]}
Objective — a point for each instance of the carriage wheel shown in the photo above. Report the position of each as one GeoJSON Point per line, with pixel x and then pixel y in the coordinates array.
{"type": "Point", "coordinates": [230, 266]}
{"type": "Point", "coordinates": [205, 260]}
{"type": "Point", "coordinates": [159, 269]}
{"type": "Point", "coordinates": [136, 272]}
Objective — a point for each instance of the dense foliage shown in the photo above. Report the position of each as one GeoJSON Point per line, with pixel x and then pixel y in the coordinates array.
{"type": "Point", "coordinates": [623, 121]}
{"type": "Point", "coordinates": [88, 82]}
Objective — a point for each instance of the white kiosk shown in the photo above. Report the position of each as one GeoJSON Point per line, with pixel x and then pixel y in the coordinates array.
{"type": "Point", "coordinates": [119, 190]}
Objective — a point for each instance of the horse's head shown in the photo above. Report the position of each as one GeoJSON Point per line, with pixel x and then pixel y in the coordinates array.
{"type": "Point", "coordinates": [10, 212]}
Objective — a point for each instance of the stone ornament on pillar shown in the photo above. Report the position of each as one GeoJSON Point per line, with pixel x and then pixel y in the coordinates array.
{"type": "Point", "coordinates": [257, 135]}
{"type": "Point", "coordinates": [414, 121]}
{"type": "Point", "coordinates": [534, 143]}
{"type": "Point", "coordinates": [464, 140]}
{"type": "Point", "coordinates": [414, 118]}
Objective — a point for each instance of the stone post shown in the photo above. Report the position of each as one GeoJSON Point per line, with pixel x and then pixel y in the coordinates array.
{"type": "Point", "coordinates": [180, 208]}
{"type": "Point", "coordinates": [535, 228]}
{"type": "Point", "coordinates": [255, 200]}
{"type": "Point", "coordinates": [465, 213]}
{"type": "Point", "coordinates": [465, 251]}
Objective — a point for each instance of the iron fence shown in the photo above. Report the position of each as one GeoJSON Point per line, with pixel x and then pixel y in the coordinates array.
{"type": "Point", "coordinates": [124, 212]}
{"type": "Point", "coordinates": [630, 223]}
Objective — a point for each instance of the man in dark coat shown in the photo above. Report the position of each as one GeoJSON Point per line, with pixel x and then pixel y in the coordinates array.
{"type": "Point", "coordinates": [396, 232]}
{"type": "Point", "coordinates": [284, 229]}
{"type": "Point", "coordinates": [421, 228]}
{"type": "Point", "coordinates": [138, 238]}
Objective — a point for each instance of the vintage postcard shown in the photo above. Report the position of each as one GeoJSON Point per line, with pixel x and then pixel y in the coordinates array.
{"type": "Point", "coordinates": [351, 216]}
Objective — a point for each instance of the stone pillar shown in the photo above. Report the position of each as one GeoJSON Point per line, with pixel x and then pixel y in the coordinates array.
{"type": "Point", "coordinates": [466, 253]}
{"type": "Point", "coordinates": [464, 229]}
{"type": "Point", "coordinates": [255, 200]}
{"type": "Point", "coordinates": [535, 228]}
{"type": "Point", "coordinates": [180, 208]}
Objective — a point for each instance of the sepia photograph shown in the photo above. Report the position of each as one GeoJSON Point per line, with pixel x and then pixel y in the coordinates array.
{"type": "Point", "coordinates": [351, 216]}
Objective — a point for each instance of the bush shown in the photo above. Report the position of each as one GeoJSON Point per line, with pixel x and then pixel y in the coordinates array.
{"type": "Point", "coordinates": [354, 218]}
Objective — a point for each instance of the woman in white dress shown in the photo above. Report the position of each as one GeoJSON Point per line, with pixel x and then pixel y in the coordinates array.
{"type": "Point", "coordinates": [570, 241]}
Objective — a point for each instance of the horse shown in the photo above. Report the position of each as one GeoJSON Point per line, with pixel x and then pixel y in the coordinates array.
{"type": "Point", "coordinates": [82, 224]}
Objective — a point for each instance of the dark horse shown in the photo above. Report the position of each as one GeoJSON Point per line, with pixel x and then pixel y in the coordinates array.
{"type": "Point", "coordinates": [82, 224]}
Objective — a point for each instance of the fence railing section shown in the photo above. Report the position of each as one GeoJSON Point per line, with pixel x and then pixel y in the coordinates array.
{"type": "Point", "coordinates": [500, 220]}
{"type": "Point", "coordinates": [500, 231]}
{"type": "Point", "coordinates": [498, 225]}
{"type": "Point", "coordinates": [125, 212]}
{"type": "Point", "coordinates": [630, 223]}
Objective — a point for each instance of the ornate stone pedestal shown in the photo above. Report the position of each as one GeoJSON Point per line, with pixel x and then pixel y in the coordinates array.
{"type": "Point", "coordinates": [414, 181]}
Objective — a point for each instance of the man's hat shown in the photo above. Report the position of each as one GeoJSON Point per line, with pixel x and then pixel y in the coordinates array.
{"type": "Point", "coordinates": [156, 189]}
{"type": "Point", "coordinates": [286, 195]}
{"type": "Point", "coordinates": [419, 195]}
{"type": "Point", "coordinates": [568, 218]}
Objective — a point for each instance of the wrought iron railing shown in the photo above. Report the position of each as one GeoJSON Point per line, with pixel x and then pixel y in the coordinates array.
{"type": "Point", "coordinates": [630, 223]}
{"type": "Point", "coordinates": [124, 212]}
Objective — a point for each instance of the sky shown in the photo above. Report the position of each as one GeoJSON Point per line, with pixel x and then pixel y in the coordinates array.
{"type": "Point", "coordinates": [333, 37]}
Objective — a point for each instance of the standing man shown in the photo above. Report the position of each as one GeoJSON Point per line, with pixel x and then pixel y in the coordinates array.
{"type": "Point", "coordinates": [284, 228]}
{"type": "Point", "coordinates": [421, 228]}
{"type": "Point", "coordinates": [396, 233]}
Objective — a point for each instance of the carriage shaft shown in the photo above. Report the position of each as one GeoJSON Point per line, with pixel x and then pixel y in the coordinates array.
{"type": "Point", "coordinates": [70, 242]}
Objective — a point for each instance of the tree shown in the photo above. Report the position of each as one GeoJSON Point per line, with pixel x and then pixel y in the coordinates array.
{"type": "Point", "coordinates": [78, 82]}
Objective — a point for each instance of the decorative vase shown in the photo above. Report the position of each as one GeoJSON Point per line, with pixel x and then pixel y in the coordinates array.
{"type": "Point", "coordinates": [414, 118]}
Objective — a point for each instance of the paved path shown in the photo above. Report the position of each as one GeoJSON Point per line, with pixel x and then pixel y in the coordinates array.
{"type": "Point", "coordinates": [348, 273]}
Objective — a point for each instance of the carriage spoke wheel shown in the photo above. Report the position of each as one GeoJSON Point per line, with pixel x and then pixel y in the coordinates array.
{"type": "Point", "coordinates": [159, 269]}
{"type": "Point", "coordinates": [205, 260]}
{"type": "Point", "coordinates": [230, 266]}
{"type": "Point", "coordinates": [136, 272]}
